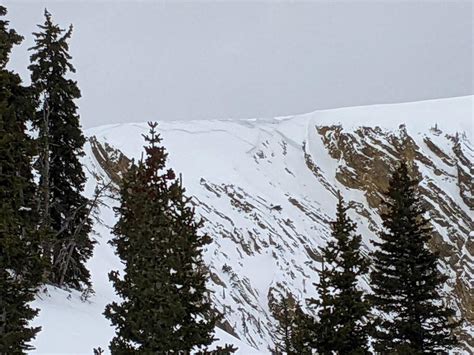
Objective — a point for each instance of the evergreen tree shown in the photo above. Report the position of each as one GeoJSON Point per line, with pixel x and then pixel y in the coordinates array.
{"type": "Point", "coordinates": [20, 266]}
{"type": "Point", "coordinates": [165, 307]}
{"type": "Point", "coordinates": [343, 325]}
{"type": "Point", "coordinates": [227, 349]}
{"type": "Point", "coordinates": [321, 329]}
{"type": "Point", "coordinates": [291, 333]}
{"type": "Point", "coordinates": [405, 278]}
{"type": "Point", "coordinates": [62, 207]}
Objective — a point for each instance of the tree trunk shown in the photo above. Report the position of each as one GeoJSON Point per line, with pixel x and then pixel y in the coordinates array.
{"type": "Point", "coordinates": [44, 198]}
{"type": "Point", "coordinates": [93, 205]}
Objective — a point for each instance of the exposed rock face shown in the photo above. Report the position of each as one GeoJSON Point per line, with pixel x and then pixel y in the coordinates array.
{"type": "Point", "coordinates": [111, 160]}
{"type": "Point", "coordinates": [266, 190]}
{"type": "Point", "coordinates": [365, 160]}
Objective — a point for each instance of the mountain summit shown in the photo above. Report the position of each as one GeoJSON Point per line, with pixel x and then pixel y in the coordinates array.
{"type": "Point", "coordinates": [267, 189]}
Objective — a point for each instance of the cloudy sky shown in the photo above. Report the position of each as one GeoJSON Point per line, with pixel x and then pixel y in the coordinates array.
{"type": "Point", "coordinates": [143, 60]}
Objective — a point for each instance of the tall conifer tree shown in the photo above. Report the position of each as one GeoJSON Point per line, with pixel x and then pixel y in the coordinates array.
{"type": "Point", "coordinates": [165, 307]}
{"type": "Point", "coordinates": [20, 266]}
{"type": "Point", "coordinates": [343, 309]}
{"type": "Point", "coordinates": [321, 329]}
{"type": "Point", "coordinates": [406, 280]}
{"type": "Point", "coordinates": [62, 207]}
{"type": "Point", "coordinates": [291, 333]}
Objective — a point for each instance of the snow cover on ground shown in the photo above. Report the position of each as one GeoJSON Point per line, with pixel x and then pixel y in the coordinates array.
{"type": "Point", "coordinates": [237, 171]}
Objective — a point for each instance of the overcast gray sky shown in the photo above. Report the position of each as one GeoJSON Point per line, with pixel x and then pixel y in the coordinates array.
{"type": "Point", "coordinates": [143, 60]}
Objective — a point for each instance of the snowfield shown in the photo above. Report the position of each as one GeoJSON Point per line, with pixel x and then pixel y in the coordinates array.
{"type": "Point", "coordinates": [239, 171]}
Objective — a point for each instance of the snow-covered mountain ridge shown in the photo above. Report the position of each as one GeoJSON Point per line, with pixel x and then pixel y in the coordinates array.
{"type": "Point", "coordinates": [266, 190]}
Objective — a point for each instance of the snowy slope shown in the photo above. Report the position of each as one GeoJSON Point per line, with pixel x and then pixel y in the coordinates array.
{"type": "Point", "coordinates": [239, 170]}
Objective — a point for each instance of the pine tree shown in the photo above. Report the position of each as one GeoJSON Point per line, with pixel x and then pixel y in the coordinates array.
{"type": "Point", "coordinates": [405, 279]}
{"type": "Point", "coordinates": [343, 309]}
{"type": "Point", "coordinates": [20, 262]}
{"type": "Point", "coordinates": [291, 333]}
{"type": "Point", "coordinates": [321, 329]}
{"type": "Point", "coordinates": [165, 305]}
{"type": "Point", "coordinates": [227, 349]}
{"type": "Point", "coordinates": [62, 207]}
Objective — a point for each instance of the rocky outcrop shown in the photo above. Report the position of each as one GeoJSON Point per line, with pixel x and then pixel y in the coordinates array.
{"type": "Point", "coordinates": [365, 157]}
{"type": "Point", "coordinates": [112, 161]}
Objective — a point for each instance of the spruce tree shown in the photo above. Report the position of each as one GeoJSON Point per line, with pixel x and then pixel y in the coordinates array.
{"type": "Point", "coordinates": [227, 349]}
{"type": "Point", "coordinates": [343, 309]}
{"type": "Point", "coordinates": [405, 278]}
{"type": "Point", "coordinates": [165, 305]}
{"type": "Point", "coordinates": [62, 207]}
{"type": "Point", "coordinates": [291, 333]}
{"type": "Point", "coordinates": [20, 263]}
{"type": "Point", "coordinates": [321, 329]}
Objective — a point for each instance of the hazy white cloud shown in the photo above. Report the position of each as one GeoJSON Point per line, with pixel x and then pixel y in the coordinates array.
{"type": "Point", "coordinates": [142, 60]}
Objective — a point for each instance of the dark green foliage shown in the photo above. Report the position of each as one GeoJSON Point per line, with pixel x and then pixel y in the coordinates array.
{"type": "Point", "coordinates": [405, 279]}
{"type": "Point", "coordinates": [343, 309]}
{"type": "Point", "coordinates": [220, 350]}
{"type": "Point", "coordinates": [321, 330]}
{"type": "Point", "coordinates": [20, 263]}
{"type": "Point", "coordinates": [63, 210]}
{"type": "Point", "coordinates": [165, 305]}
{"type": "Point", "coordinates": [98, 351]}
{"type": "Point", "coordinates": [291, 333]}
